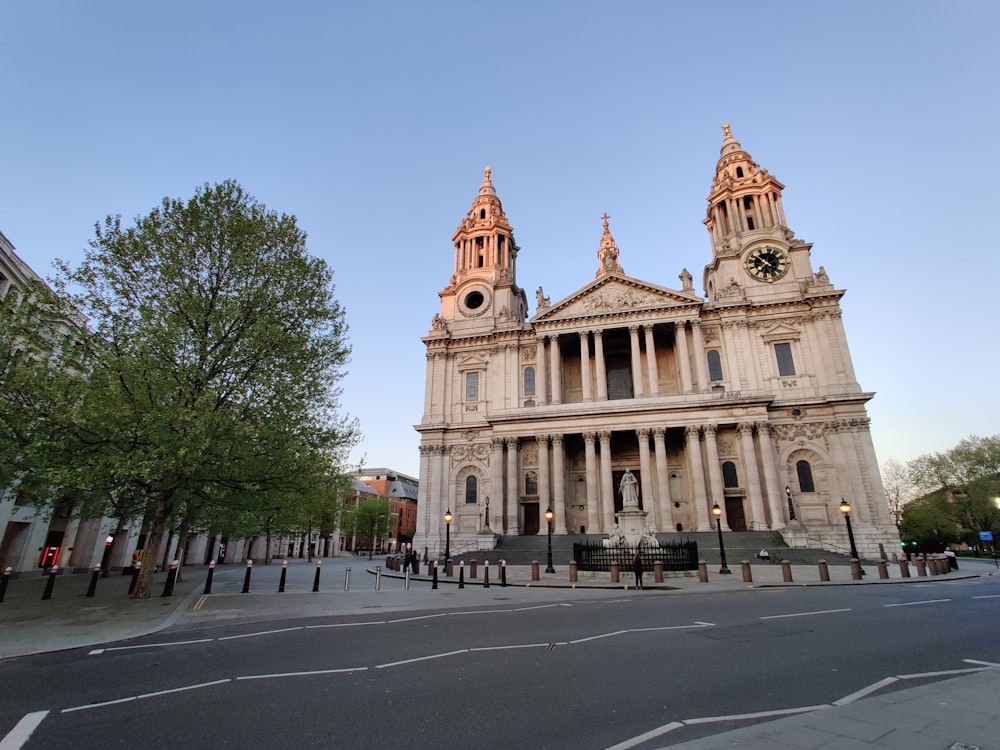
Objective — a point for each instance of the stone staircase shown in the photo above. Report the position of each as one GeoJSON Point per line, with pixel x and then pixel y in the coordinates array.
{"type": "Point", "coordinates": [740, 545]}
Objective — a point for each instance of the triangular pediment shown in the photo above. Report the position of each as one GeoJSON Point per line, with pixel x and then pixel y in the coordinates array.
{"type": "Point", "coordinates": [613, 294]}
{"type": "Point", "coordinates": [778, 332]}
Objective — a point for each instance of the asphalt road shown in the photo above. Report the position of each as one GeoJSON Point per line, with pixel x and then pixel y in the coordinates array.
{"type": "Point", "coordinates": [563, 670]}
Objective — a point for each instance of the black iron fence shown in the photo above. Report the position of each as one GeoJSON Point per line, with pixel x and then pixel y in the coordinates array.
{"type": "Point", "coordinates": [673, 555]}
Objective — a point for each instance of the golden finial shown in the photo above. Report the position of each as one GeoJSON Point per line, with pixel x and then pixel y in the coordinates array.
{"type": "Point", "coordinates": [725, 130]}
{"type": "Point", "coordinates": [488, 171]}
{"type": "Point", "coordinates": [605, 220]}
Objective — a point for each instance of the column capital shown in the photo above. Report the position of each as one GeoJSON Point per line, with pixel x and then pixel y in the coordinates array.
{"type": "Point", "coordinates": [511, 442]}
{"type": "Point", "coordinates": [542, 439]}
{"type": "Point", "coordinates": [692, 430]}
{"type": "Point", "coordinates": [642, 433]}
{"type": "Point", "coordinates": [598, 333]}
{"type": "Point", "coordinates": [745, 428]}
{"type": "Point", "coordinates": [659, 432]}
{"type": "Point", "coordinates": [497, 442]}
{"type": "Point", "coordinates": [633, 328]}
{"type": "Point", "coordinates": [589, 437]}
{"type": "Point", "coordinates": [604, 435]}
{"type": "Point", "coordinates": [557, 440]}
{"type": "Point", "coordinates": [711, 429]}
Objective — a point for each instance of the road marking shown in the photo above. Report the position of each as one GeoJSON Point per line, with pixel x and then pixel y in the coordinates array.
{"type": "Point", "coordinates": [942, 673]}
{"type": "Point", "coordinates": [301, 674]}
{"type": "Point", "coordinates": [651, 734]}
{"type": "Point", "coordinates": [988, 596]}
{"type": "Point", "coordinates": [706, 624]}
{"type": "Point", "coordinates": [157, 694]}
{"type": "Point", "coordinates": [201, 600]}
{"type": "Point", "coordinates": [345, 624]}
{"type": "Point", "coordinates": [597, 637]}
{"type": "Point", "coordinates": [910, 604]}
{"type": "Point", "coordinates": [421, 658]}
{"type": "Point", "coordinates": [260, 632]}
{"type": "Point", "coordinates": [755, 714]}
{"type": "Point", "coordinates": [420, 617]}
{"type": "Point", "coordinates": [505, 648]}
{"type": "Point", "coordinates": [98, 651]}
{"type": "Point", "coordinates": [471, 612]}
{"type": "Point", "coordinates": [858, 694]}
{"type": "Point", "coordinates": [17, 736]}
{"type": "Point", "coordinates": [806, 614]}
{"type": "Point", "coordinates": [984, 663]}
{"type": "Point", "coordinates": [539, 606]}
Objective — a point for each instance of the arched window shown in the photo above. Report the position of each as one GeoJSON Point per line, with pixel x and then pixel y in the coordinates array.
{"type": "Point", "coordinates": [530, 483]}
{"type": "Point", "coordinates": [805, 472]}
{"type": "Point", "coordinates": [714, 365]}
{"type": "Point", "coordinates": [529, 381]}
{"type": "Point", "coordinates": [729, 478]}
{"type": "Point", "coordinates": [471, 489]}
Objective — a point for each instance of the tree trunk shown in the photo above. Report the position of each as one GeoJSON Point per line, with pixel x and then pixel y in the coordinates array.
{"type": "Point", "coordinates": [267, 552]}
{"type": "Point", "coordinates": [117, 545]}
{"type": "Point", "coordinates": [161, 514]}
{"type": "Point", "coordinates": [183, 531]}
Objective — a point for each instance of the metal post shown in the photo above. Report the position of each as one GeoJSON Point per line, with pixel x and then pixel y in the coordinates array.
{"type": "Point", "coordinates": [168, 587]}
{"type": "Point", "coordinates": [503, 573]}
{"type": "Point", "coordinates": [319, 566]}
{"type": "Point", "coordinates": [378, 577]}
{"type": "Point", "coordinates": [50, 584]}
{"type": "Point", "coordinates": [791, 509]}
{"type": "Point", "coordinates": [4, 580]}
{"type": "Point", "coordinates": [724, 570]}
{"type": "Point", "coordinates": [347, 579]}
{"type": "Point", "coordinates": [549, 568]}
{"type": "Point", "coordinates": [486, 575]}
{"type": "Point", "coordinates": [208, 581]}
{"type": "Point", "coordinates": [92, 589]}
{"type": "Point", "coordinates": [434, 569]}
{"type": "Point", "coordinates": [246, 577]}
{"type": "Point", "coordinates": [461, 574]}
{"type": "Point", "coordinates": [284, 574]}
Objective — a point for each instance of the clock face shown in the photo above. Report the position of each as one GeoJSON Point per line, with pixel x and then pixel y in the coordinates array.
{"type": "Point", "coordinates": [767, 264]}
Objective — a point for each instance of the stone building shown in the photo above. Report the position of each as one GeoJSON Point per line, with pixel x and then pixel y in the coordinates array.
{"type": "Point", "coordinates": [745, 397]}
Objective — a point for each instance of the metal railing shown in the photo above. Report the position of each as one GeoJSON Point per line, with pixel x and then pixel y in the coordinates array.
{"type": "Point", "coordinates": [673, 555]}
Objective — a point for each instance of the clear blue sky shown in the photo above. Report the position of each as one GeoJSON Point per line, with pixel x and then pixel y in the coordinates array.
{"type": "Point", "coordinates": [372, 122]}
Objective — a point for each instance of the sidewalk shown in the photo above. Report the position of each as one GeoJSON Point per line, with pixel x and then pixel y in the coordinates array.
{"type": "Point", "coordinates": [961, 712]}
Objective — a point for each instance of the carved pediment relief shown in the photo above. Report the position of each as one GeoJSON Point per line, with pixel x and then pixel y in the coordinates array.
{"type": "Point", "coordinates": [471, 362]}
{"type": "Point", "coordinates": [611, 295]}
{"type": "Point", "coordinates": [780, 332]}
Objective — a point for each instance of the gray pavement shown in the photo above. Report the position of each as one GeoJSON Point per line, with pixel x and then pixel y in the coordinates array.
{"type": "Point", "coordinates": [962, 712]}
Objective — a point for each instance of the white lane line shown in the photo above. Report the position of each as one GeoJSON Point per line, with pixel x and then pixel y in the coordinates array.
{"type": "Point", "coordinates": [706, 624]}
{"type": "Point", "coordinates": [17, 736]}
{"type": "Point", "coordinates": [756, 714]}
{"type": "Point", "coordinates": [301, 674]}
{"type": "Point", "coordinates": [910, 604]}
{"type": "Point", "coordinates": [651, 734]}
{"type": "Point", "coordinates": [984, 663]}
{"type": "Point", "coordinates": [421, 617]}
{"type": "Point", "coordinates": [345, 624]}
{"type": "Point", "coordinates": [988, 596]}
{"type": "Point", "coordinates": [421, 658]}
{"type": "Point", "coordinates": [942, 673]}
{"type": "Point", "coordinates": [666, 627]}
{"type": "Point", "coordinates": [157, 694]}
{"type": "Point", "coordinates": [539, 606]}
{"type": "Point", "coordinates": [473, 612]}
{"type": "Point", "coordinates": [506, 648]}
{"type": "Point", "coordinates": [260, 632]}
{"type": "Point", "coordinates": [597, 637]}
{"type": "Point", "coordinates": [865, 691]}
{"type": "Point", "coordinates": [98, 651]}
{"type": "Point", "coordinates": [806, 614]}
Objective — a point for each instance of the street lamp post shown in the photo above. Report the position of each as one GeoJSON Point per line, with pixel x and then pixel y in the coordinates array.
{"type": "Point", "coordinates": [549, 515]}
{"type": "Point", "coordinates": [845, 508]}
{"type": "Point", "coordinates": [717, 512]}
{"type": "Point", "coordinates": [487, 525]}
{"type": "Point", "coordinates": [791, 509]}
{"type": "Point", "coordinates": [447, 535]}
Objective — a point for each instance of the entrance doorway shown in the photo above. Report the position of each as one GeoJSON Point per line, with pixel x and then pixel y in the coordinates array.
{"type": "Point", "coordinates": [530, 518]}
{"type": "Point", "coordinates": [735, 515]}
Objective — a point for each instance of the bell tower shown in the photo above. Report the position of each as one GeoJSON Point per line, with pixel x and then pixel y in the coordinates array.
{"type": "Point", "coordinates": [483, 291]}
{"type": "Point", "coordinates": [754, 253]}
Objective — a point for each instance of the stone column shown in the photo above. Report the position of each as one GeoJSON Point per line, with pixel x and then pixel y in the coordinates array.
{"type": "Point", "coordinates": [602, 372]}
{"type": "Point", "coordinates": [424, 492]}
{"type": "Point", "coordinates": [666, 516]}
{"type": "Point", "coordinates": [715, 483]}
{"type": "Point", "coordinates": [648, 496]}
{"type": "Point", "coordinates": [683, 358]}
{"type": "Point", "coordinates": [745, 430]}
{"type": "Point", "coordinates": [699, 499]}
{"type": "Point", "coordinates": [700, 363]}
{"type": "Point", "coordinates": [751, 371]}
{"type": "Point", "coordinates": [556, 359]}
{"type": "Point", "coordinates": [637, 391]}
{"type": "Point", "coordinates": [607, 485]}
{"type": "Point", "coordinates": [651, 367]}
{"type": "Point", "coordinates": [544, 495]}
{"type": "Point", "coordinates": [593, 499]}
{"type": "Point", "coordinates": [559, 483]}
{"type": "Point", "coordinates": [585, 365]}
{"type": "Point", "coordinates": [729, 351]}
{"type": "Point", "coordinates": [496, 476]}
{"type": "Point", "coordinates": [772, 488]}
{"type": "Point", "coordinates": [541, 376]}
{"type": "Point", "coordinates": [512, 518]}
{"type": "Point", "coordinates": [448, 399]}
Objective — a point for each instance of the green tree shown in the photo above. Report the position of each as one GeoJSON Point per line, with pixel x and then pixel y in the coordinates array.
{"type": "Point", "coordinates": [212, 368]}
{"type": "Point", "coordinates": [369, 517]}
{"type": "Point", "coordinates": [899, 488]}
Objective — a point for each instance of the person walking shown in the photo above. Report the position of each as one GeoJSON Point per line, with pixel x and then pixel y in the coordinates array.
{"type": "Point", "coordinates": [637, 569]}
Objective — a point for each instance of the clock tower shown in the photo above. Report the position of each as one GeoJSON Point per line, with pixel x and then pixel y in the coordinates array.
{"type": "Point", "coordinates": [483, 291]}
{"type": "Point", "coordinates": [754, 253]}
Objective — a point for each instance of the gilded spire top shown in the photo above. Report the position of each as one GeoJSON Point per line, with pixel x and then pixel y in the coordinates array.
{"type": "Point", "coordinates": [727, 133]}
{"type": "Point", "coordinates": [607, 256]}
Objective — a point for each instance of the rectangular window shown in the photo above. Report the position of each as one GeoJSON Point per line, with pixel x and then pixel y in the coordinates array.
{"type": "Point", "coordinates": [472, 386]}
{"type": "Point", "coordinates": [529, 381]}
{"type": "Point", "coordinates": [786, 365]}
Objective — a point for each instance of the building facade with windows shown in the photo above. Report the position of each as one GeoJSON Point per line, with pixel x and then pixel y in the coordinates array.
{"type": "Point", "coordinates": [402, 491]}
{"type": "Point", "coordinates": [745, 397]}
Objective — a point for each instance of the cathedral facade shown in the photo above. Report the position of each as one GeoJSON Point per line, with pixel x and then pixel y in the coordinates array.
{"type": "Point", "coordinates": [745, 398]}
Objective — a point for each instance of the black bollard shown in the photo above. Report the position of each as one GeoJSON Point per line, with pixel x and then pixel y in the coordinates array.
{"type": "Point", "coordinates": [246, 578]}
{"type": "Point", "coordinates": [503, 573]}
{"type": "Point", "coordinates": [168, 587]}
{"type": "Point", "coordinates": [92, 588]}
{"type": "Point", "coordinates": [284, 573]}
{"type": "Point", "coordinates": [50, 584]}
{"type": "Point", "coordinates": [319, 564]}
{"type": "Point", "coordinates": [4, 580]}
{"type": "Point", "coordinates": [434, 568]}
{"type": "Point", "coordinates": [461, 574]}
{"type": "Point", "coordinates": [486, 574]}
{"type": "Point", "coordinates": [135, 577]}
{"type": "Point", "coordinates": [208, 581]}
